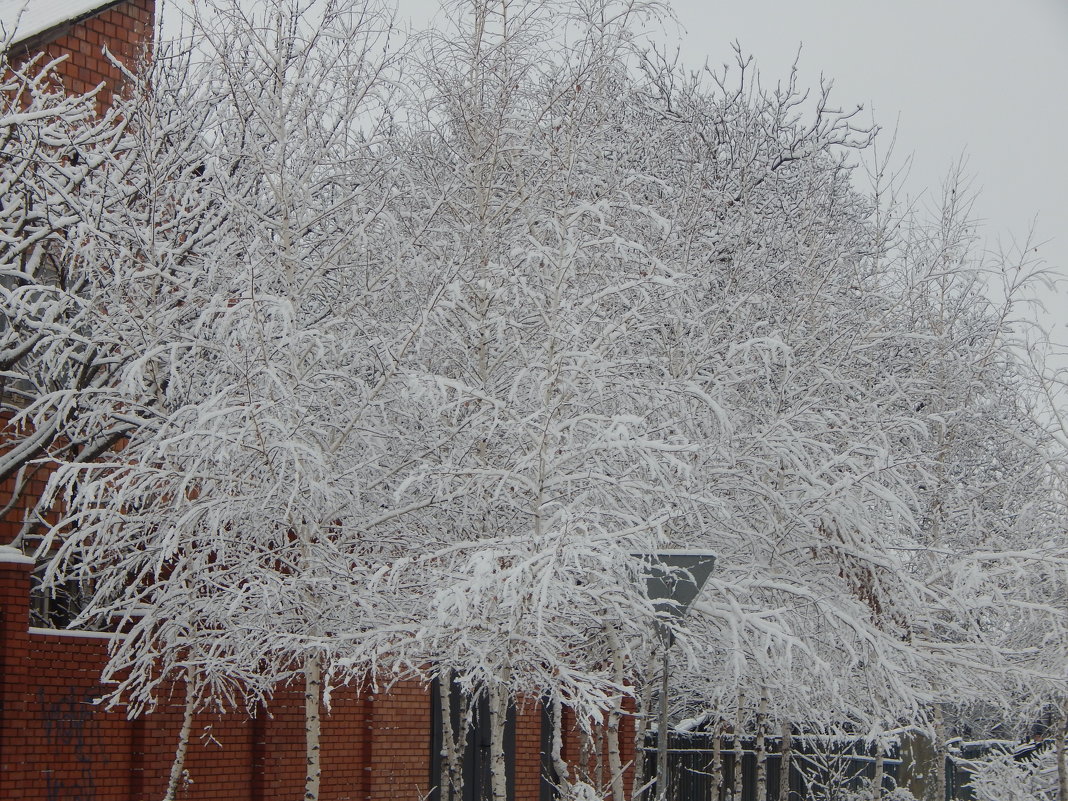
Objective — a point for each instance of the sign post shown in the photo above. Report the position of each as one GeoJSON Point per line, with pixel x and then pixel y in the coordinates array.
{"type": "Point", "coordinates": [673, 580]}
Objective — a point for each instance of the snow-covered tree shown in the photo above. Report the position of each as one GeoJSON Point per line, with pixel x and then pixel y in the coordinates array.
{"type": "Point", "coordinates": [535, 366]}
{"type": "Point", "coordinates": [1002, 775]}
{"type": "Point", "coordinates": [52, 146]}
{"type": "Point", "coordinates": [831, 463]}
{"type": "Point", "coordinates": [252, 290]}
{"type": "Point", "coordinates": [413, 353]}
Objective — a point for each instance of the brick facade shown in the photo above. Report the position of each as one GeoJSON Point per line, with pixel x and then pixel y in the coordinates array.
{"type": "Point", "coordinates": [125, 28]}
{"type": "Point", "coordinates": [34, 482]}
{"type": "Point", "coordinates": [56, 743]}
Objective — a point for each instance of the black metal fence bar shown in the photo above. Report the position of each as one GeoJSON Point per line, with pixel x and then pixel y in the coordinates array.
{"type": "Point", "coordinates": [815, 774]}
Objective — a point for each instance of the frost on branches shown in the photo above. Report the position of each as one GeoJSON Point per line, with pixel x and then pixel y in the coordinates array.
{"type": "Point", "coordinates": [1004, 776]}
{"type": "Point", "coordinates": [52, 147]}
{"type": "Point", "coordinates": [414, 347]}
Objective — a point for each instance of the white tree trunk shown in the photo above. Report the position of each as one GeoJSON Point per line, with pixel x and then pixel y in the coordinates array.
{"type": "Point", "coordinates": [1062, 755]}
{"type": "Point", "coordinates": [736, 783]}
{"type": "Point", "coordinates": [615, 761]}
{"type": "Point", "coordinates": [761, 748]}
{"type": "Point", "coordinates": [178, 766]}
{"type": "Point", "coordinates": [637, 786]}
{"type": "Point", "coordinates": [786, 748]}
{"type": "Point", "coordinates": [313, 689]}
{"type": "Point", "coordinates": [596, 747]}
{"type": "Point", "coordinates": [450, 778]}
{"type": "Point", "coordinates": [939, 748]}
{"type": "Point", "coordinates": [663, 734]}
{"type": "Point", "coordinates": [880, 771]}
{"type": "Point", "coordinates": [498, 714]}
{"type": "Point", "coordinates": [559, 763]}
{"type": "Point", "coordinates": [716, 782]}
{"type": "Point", "coordinates": [445, 768]}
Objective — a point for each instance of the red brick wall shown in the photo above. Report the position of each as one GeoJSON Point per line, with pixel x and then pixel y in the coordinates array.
{"type": "Point", "coordinates": [34, 481]}
{"type": "Point", "coordinates": [528, 750]}
{"type": "Point", "coordinates": [594, 770]}
{"type": "Point", "coordinates": [55, 743]}
{"type": "Point", "coordinates": [125, 28]}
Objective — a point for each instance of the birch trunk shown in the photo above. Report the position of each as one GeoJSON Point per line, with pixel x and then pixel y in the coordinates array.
{"type": "Point", "coordinates": [761, 749]}
{"type": "Point", "coordinates": [615, 761]}
{"type": "Point", "coordinates": [450, 779]}
{"type": "Point", "coordinates": [445, 768]}
{"type": "Point", "coordinates": [1062, 755]}
{"type": "Point", "coordinates": [178, 766]}
{"type": "Point", "coordinates": [597, 748]}
{"type": "Point", "coordinates": [313, 690]}
{"type": "Point", "coordinates": [736, 778]}
{"type": "Point", "coordinates": [716, 782]}
{"type": "Point", "coordinates": [498, 713]}
{"type": "Point", "coordinates": [939, 748]}
{"type": "Point", "coordinates": [880, 771]}
{"type": "Point", "coordinates": [559, 763]}
{"type": "Point", "coordinates": [786, 749]}
{"type": "Point", "coordinates": [663, 735]}
{"type": "Point", "coordinates": [637, 785]}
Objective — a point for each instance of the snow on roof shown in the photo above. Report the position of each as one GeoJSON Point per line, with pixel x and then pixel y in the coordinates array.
{"type": "Point", "coordinates": [37, 16]}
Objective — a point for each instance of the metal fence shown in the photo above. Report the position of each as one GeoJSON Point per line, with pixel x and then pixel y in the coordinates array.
{"type": "Point", "coordinates": [821, 768]}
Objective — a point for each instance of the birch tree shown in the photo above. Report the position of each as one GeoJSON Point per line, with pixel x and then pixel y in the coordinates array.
{"type": "Point", "coordinates": [416, 350]}
{"type": "Point", "coordinates": [249, 283]}
{"type": "Point", "coordinates": [829, 461]}
{"type": "Point", "coordinates": [793, 305]}
{"type": "Point", "coordinates": [534, 356]}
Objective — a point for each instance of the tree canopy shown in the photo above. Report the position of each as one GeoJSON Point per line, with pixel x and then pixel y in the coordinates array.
{"type": "Point", "coordinates": [362, 358]}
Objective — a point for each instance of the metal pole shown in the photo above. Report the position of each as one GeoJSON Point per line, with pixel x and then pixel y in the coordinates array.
{"type": "Point", "coordinates": [662, 731]}
{"type": "Point", "coordinates": [673, 581]}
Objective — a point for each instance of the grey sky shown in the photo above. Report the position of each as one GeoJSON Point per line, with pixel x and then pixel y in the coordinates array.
{"type": "Point", "coordinates": [980, 78]}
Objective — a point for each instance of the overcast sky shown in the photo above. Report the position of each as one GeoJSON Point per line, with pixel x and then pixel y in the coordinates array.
{"type": "Point", "coordinates": [982, 79]}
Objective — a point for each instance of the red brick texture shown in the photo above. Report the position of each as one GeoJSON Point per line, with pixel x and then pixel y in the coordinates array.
{"type": "Point", "coordinates": [34, 482]}
{"type": "Point", "coordinates": [125, 28]}
{"type": "Point", "coordinates": [587, 754]}
{"type": "Point", "coordinates": [56, 743]}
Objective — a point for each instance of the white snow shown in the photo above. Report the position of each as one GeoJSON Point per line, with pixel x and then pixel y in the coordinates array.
{"type": "Point", "coordinates": [30, 17]}
{"type": "Point", "coordinates": [13, 556]}
{"type": "Point", "coordinates": [76, 633]}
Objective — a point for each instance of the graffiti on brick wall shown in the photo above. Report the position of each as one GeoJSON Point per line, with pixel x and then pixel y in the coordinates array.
{"type": "Point", "coordinates": [70, 727]}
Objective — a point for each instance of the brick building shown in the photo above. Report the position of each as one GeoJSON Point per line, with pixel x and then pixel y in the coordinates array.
{"type": "Point", "coordinates": [79, 30]}
{"type": "Point", "coordinates": [72, 34]}
{"type": "Point", "coordinates": [57, 743]}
